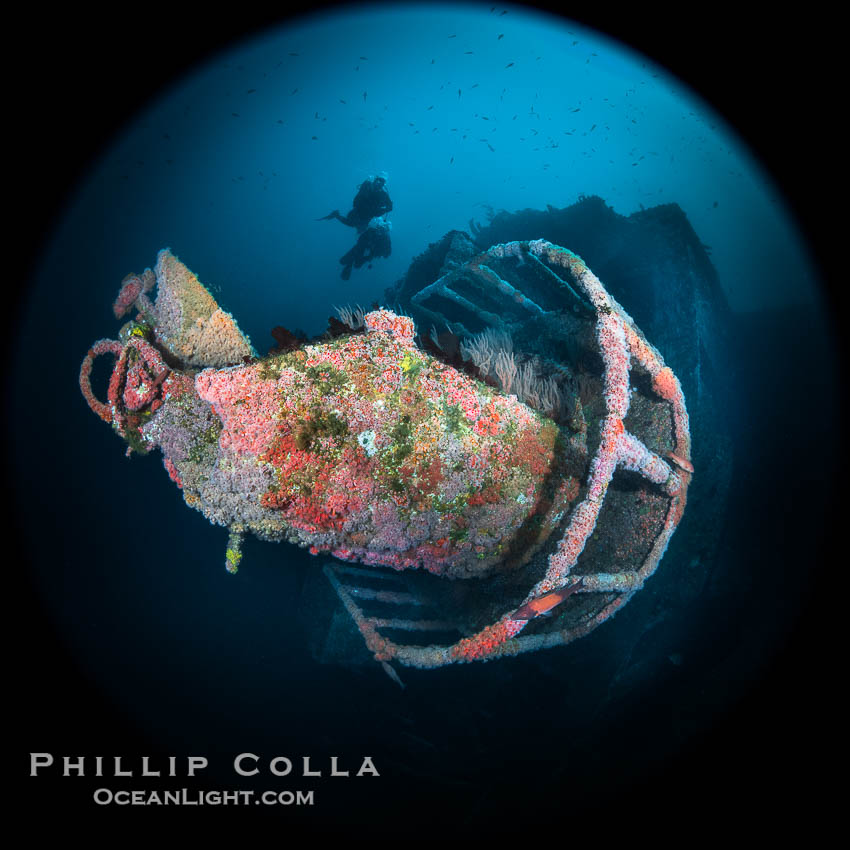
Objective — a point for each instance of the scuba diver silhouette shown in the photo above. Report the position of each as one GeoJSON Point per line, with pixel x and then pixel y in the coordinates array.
{"type": "Point", "coordinates": [371, 200]}
{"type": "Point", "coordinates": [373, 242]}
{"type": "Point", "coordinates": [368, 216]}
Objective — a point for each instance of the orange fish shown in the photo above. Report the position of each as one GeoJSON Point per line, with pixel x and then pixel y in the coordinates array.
{"type": "Point", "coordinates": [681, 462]}
{"type": "Point", "coordinates": [542, 606]}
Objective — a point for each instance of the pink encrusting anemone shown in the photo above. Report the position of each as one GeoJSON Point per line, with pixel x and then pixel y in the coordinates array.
{"type": "Point", "coordinates": [366, 448]}
{"type": "Point", "coordinates": [367, 434]}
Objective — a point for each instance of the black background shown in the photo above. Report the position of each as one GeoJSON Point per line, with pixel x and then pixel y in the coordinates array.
{"type": "Point", "coordinates": [75, 76]}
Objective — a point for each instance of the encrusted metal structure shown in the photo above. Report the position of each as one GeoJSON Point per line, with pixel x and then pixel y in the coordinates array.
{"type": "Point", "coordinates": [482, 525]}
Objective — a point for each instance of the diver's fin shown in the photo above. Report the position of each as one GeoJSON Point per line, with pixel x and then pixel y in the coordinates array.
{"type": "Point", "coordinates": [330, 215]}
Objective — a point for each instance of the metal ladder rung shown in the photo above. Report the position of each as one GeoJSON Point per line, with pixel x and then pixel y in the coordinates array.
{"type": "Point", "coordinates": [365, 572]}
{"type": "Point", "coordinates": [392, 597]}
{"type": "Point", "coordinates": [412, 625]}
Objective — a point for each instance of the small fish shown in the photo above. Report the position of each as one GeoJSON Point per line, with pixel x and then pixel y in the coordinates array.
{"type": "Point", "coordinates": [509, 64]}
{"type": "Point", "coordinates": [491, 147]}
{"type": "Point", "coordinates": [315, 138]}
{"type": "Point", "coordinates": [474, 86]}
{"type": "Point", "coordinates": [294, 91]}
{"type": "Point", "coordinates": [451, 160]}
{"type": "Point", "coordinates": [453, 36]}
{"type": "Point", "coordinates": [341, 100]}
{"type": "Point", "coordinates": [503, 13]}
{"type": "Point", "coordinates": [294, 54]}
{"type": "Point", "coordinates": [458, 94]}
{"type": "Point", "coordinates": [429, 108]}
{"type": "Point", "coordinates": [542, 606]}
{"type": "Point", "coordinates": [468, 52]}
{"type": "Point", "coordinates": [250, 91]}
{"type": "Point", "coordinates": [501, 35]}
{"type": "Point", "coordinates": [364, 95]}
{"type": "Point", "coordinates": [365, 58]}
{"type": "Point", "coordinates": [681, 462]}
{"type": "Point", "coordinates": [235, 114]}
